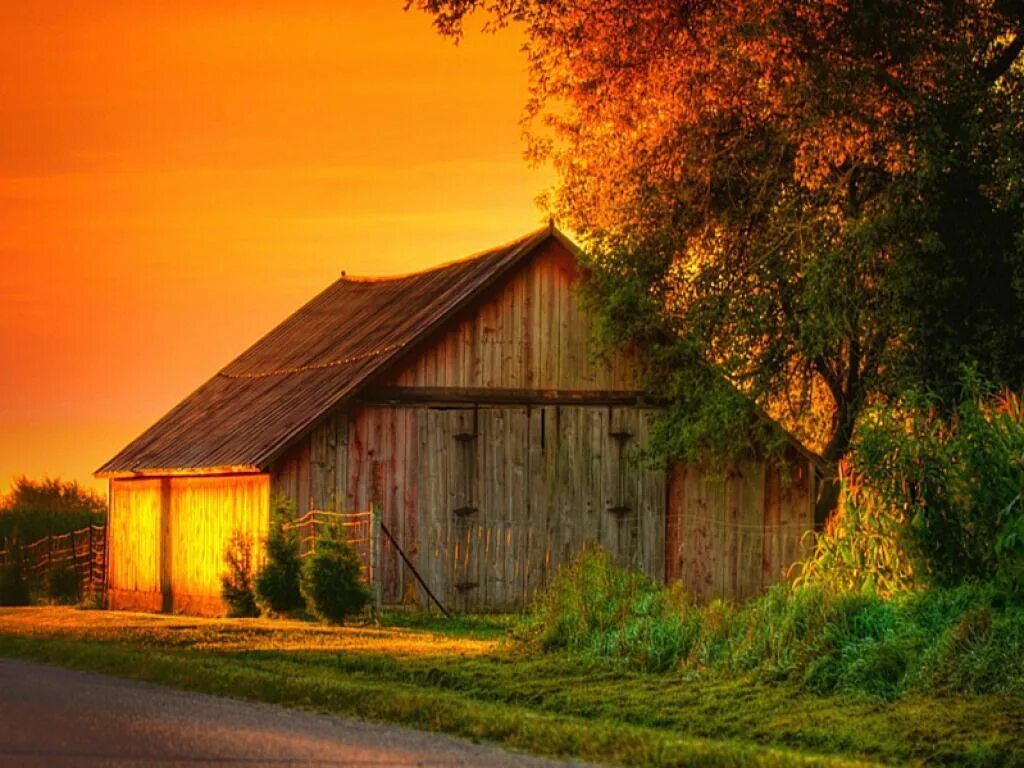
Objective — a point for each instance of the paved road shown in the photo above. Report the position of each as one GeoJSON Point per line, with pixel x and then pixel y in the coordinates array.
{"type": "Point", "coordinates": [57, 717]}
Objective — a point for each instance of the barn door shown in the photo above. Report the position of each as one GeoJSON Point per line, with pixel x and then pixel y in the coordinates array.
{"type": "Point", "coordinates": [622, 525]}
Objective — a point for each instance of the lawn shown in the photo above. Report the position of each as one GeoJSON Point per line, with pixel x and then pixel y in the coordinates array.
{"type": "Point", "coordinates": [461, 678]}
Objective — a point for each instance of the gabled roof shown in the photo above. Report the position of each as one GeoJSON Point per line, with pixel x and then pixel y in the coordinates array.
{"type": "Point", "coordinates": [244, 416]}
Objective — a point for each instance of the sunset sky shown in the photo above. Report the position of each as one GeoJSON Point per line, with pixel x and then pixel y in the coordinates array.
{"type": "Point", "coordinates": [177, 177]}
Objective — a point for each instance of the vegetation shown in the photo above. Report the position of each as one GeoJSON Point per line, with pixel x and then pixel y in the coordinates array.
{"type": "Point", "coordinates": [63, 584]}
{"type": "Point", "coordinates": [957, 479]}
{"type": "Point", "coordinates": [13, 585]}
{"type": "Point", "coordinates": [964, 640]}
{"type": "Point", "coordinates": [862, 546]}
{"type": "Point", "coordinates": [236, 582]}
{"type": "Point", "coordinates": [553, 703]}
{"type": "Point", "coordinates": [33, 509]}
{"type": "Point", "coordinates": [331, 578]}
{"type": "Point", "coordinates": [277, 584]}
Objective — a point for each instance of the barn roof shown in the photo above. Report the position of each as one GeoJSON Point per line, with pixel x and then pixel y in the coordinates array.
{"type": "Point", "coordinates": [259, 403]}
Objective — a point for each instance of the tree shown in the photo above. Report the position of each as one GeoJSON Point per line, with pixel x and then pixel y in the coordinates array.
{"type": "Point", "coordinates": [815, 205]}
{"type": "Point", "coordinates": [32, 509]}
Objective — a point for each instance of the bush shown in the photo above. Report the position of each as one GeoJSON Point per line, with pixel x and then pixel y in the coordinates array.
{"type": "Point", "coordinates": [958, 477]}
{"type": "Point", "coordinates": [277, 584]}
{"type": "Point", "coordinates": [236, 588]}
{"type": "Point", "coordinates": [963, 640]}
{"type": "Point", "coordinates": [331, 583]}
{"type": "Point", "coordinates": [63, 584]}
{"type": "Point", "coordinates": [13, 585]}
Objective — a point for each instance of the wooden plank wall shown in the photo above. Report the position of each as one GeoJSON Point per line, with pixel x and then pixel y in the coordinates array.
{"type": "Point", "coordinates": [168, 535]}
{"type": "Point", "coordinates": [532, 334]}
{"type": "Point", "coordinates": [488, 501]}
{"type": "Point", "coordinates": [204, 513]}
{"type": "Point", "coordinates": [133, 544]}
{"type": "Point", "coordinates": [733, 534]}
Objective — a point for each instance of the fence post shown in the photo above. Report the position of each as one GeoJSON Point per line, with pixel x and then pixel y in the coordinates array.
{"type": "Point", "coordinates": [90, 558]}
{"type": "Point", "coordinates": [375, 576]}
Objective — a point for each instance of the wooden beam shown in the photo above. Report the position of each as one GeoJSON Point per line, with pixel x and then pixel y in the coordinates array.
{"type": "Point", "coordinates": [501, 396]}
{"type": "Point", "coordinates": [242, 469]}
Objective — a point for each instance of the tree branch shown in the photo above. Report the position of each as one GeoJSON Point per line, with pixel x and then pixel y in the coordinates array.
{"type": "Point", "coordinates": [1004, 61]}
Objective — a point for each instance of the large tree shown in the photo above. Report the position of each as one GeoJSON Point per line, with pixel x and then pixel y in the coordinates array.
{"type": "Point", "coordinates": [818, 204]}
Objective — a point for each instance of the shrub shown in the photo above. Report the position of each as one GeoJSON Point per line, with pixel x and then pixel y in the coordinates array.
{"type": "Point", "coordinates": [330, 581]}
{"type": "Point", "coordinates": [13, 585]}
{"type": "Point", "coordinates": [236, 587]}
{"type": "Point", "coordinates": [63, 584]}
{"type": "Point", "coordinates": [277, 584]}
{"type": "Point", "coordinates": [958, 477]}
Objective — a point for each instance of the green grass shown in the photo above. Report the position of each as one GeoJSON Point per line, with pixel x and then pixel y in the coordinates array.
{"type": "Point", "coordinates": [550, 704]}
{"type": "Point", "coordinates": [482, 625]}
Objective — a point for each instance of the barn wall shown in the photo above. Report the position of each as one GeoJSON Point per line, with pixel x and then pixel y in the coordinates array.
{"type": "Point", "coordinates": [168, 536]}
{"type": "Point", "coordinates": [133, 544]}
{"type": "Point", "coordinates": [735, 533]}
{"type": "Point", "coordinates": [531, 334]}
{"type": "Point", "coordinates": [488, 501]}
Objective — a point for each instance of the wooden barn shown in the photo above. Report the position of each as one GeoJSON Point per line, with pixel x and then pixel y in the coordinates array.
{"type": "Point", "coordinates": [469, 405]}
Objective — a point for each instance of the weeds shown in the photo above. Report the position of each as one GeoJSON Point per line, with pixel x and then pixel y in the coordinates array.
{"type": "Point", "coordinates": [964, 640]}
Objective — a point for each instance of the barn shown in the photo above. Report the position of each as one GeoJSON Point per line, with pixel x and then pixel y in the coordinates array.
{"type": "Point", "coordinates": [468, 404]}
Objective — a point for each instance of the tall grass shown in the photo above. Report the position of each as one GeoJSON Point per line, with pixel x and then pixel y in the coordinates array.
{"type": "Point", "coordinates": [862, 547]}
{"type": "Point", "coordinates": [966, 639]}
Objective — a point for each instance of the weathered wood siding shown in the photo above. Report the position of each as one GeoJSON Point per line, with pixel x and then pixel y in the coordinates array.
{"type": "Point", "coordinates": [735, 533]}
{"type": "Point", "coordinates": [532, 334]}
{"type": "Point", "coordinates": [168, 536]}
{"type": "Point", "coordinates": [488, 501]}
{"type": "Point", "coordinates": [133, 544]}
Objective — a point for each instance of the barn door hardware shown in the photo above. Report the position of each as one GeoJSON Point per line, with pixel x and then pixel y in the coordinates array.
{"type": "Point", "coordinates": [621, 435]}
{"type": "Point", "coordinates": [467, 435]}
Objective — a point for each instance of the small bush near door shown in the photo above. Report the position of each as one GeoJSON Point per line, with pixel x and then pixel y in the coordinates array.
{"type": "Point", "coordinates": [236, 582]}
{"type": "Point", "coordinates": [331, 581]}
{"type": "Point", "coordinates": [277, 585]}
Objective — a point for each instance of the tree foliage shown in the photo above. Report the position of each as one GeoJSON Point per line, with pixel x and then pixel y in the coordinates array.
{"type": "Point", "coordinates": [820, 204]}
{"type": "Point", "coordinates": [32, 509]}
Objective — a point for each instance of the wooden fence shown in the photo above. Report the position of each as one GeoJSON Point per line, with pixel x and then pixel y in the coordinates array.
{"type": "Point", "coordinates": [84, 550]}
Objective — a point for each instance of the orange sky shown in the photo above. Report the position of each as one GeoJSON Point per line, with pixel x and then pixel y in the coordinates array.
{"type": "Point", "coordinates": [177, 177]}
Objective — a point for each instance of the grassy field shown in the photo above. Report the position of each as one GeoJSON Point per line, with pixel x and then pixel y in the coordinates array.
{"type": "Point", "coordinates": [462, 679]}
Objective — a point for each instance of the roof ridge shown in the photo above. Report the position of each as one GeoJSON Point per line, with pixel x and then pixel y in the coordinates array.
{"type": "Point", "coordinates": [513, 243]}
